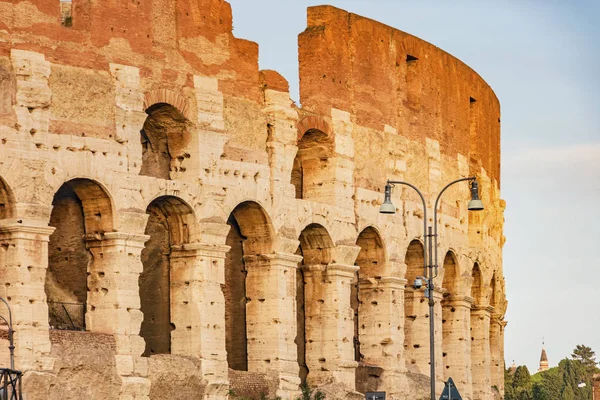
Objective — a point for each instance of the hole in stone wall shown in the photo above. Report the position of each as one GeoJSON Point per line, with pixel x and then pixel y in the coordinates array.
{"type": "Point", "coordinates": [410, 58]}
{"type": "Point", "coordinates": [164, 138]}
{"type": "Point", "coordinates": [309, 170]}
{"type": "Point", "coordinates": [66, 13]}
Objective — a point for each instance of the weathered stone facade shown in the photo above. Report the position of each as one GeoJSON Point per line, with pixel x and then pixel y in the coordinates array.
{"type": "Point", "coordinates": [222, 237]}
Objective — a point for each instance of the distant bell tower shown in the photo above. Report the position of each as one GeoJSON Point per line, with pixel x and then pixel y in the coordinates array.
{"type": "Point", "coordinates": [543, 360]}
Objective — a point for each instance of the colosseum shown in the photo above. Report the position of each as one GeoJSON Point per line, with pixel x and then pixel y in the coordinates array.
{"type": "Point", "coordinates": [173, 225]}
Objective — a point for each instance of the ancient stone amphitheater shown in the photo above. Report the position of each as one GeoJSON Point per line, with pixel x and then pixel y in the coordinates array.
{"type": "Point", "coordinates": [173, 226]}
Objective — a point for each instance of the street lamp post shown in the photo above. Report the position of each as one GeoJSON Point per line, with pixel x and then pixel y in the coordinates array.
{"type": "Point", "coordinates": [430, 267]}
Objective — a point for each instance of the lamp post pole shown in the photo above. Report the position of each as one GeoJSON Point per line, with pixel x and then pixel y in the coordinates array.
{"type": "Point", "coordinates": [430, 266]}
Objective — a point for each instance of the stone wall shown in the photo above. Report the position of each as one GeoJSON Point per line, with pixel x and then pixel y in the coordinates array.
{"type": "Point", "coordinates": [222, 237]}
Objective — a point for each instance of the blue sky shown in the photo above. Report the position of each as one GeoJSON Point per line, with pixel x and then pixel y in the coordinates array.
{"type": "Point", "coordinates": [542, 58]}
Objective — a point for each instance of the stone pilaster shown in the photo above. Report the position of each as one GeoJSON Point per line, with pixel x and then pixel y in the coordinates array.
{"type": "Point", "coordinates": [281, 142]}
{"type": "Point", "coordinates": [113, 305]}
{"type": "Point", "coordinates": [198, 307]}
{"type": "Point", "coordinates": [271, 317]}
{"type": "Point", "coordinates": [23, 265]}
{"type": "Point", "coordinates": [381, 317]}
{"type": "Point", "coordinates": [34, 96]}
{"type": "Point", "coordinates": [329, 324]}
{"type": "Point", "coordinates": [456, 316]}
{"type": "Point", "coordinates": [480, 352]}
{"type": "Point", "coordinates": [416, 331]}
{"type": "Point", "coordinates": [496, 351]}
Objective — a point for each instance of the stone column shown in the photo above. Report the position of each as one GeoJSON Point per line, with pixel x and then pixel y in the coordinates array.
{"type": "Point", "coordinates": [416, 330]}
{"type": "Point", "coordinates": [198, 307]}
{"type": "Point", "coordinates": [496, 353]}
{"type": "Point", "coordinates": [456, 316]}
{"type": "Point", "coordinates": [271, 317]}
{"type": "Point", "coordinates": [381, 316]}
{"type": "Point", "coordinates": [23, 265]}
{"type": "Point", "coordinates": [329, 324]}
{"type": "Point", "coordinates": [113, 305]}
{"type": "Point", "coordinates": [480, 352]}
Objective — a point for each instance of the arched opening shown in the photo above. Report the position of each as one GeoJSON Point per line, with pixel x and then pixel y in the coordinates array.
{"type": "Point", "coordinates": [365, 295]}
{"type": "Point", "coordinates": [164, 137]}
{"type": "Point", "coordinates": [416, 313]}
{"type": "Point", "coordinates": [476, 286]}
{"type": "Point", "coordinates": [80, 209]}
{"type": "Point", "coordinates": [250, 234]}
{"type": "Point", "coordinates": [6, 201]}
{"type": "Point", "coordinates": [450, 323]}
{"type": "Point", "coordinates": [311, 163]}
{"type": "Point", "coordinates": [169, 223]}
{"type": "Point", "coordinates": [315, 248]}
{"type": "Point", "coordinates": [370, 261]}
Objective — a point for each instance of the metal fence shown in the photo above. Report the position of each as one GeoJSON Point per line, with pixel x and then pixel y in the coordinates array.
{"type": "Point", "coordinates": [10, 384]}
{"type": "Point", "coordinates": [69, 316]}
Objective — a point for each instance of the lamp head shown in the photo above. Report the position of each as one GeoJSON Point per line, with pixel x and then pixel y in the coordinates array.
{"type": "Point", "coordinates": [475, 204]}
{"type": "Point", "coordinates": [387, 207]}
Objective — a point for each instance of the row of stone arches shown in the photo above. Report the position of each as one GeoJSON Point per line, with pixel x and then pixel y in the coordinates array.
{"type": "Point", "coordinates": [322, 288]}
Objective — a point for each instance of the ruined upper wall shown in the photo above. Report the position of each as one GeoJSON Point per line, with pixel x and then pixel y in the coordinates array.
{"type": "Point", "coordinates": [383, 76]}
{"type": "Point", "coordinates": [170, 41]}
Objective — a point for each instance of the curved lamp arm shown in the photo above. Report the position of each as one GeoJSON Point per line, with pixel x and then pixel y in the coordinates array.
{"type": "Point", "coordinates": [435, 221]}
{"type": "Point", "coordinates": [392, 184]}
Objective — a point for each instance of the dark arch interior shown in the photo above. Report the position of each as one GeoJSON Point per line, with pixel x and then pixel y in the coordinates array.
{"type": "Point", "coordinates": [314, 148]}
{"type": "Point", "coordinates": [6, 201]}
{"type": "Point", "coordinates": [250, 233]}
{"type": "Point", "coordinates": [80, 208]}
{"type": "Point", "coordinates": [167, 226]}
{"type": "Point", "coordinates": [315, 248]}
{"type": "Point", "coordinates": [164, 137]}
{"type": "Point", "coordinates": [476, 286]}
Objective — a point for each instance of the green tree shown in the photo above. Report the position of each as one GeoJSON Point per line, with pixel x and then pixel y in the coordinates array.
{"type": "Point", "coordinates": [585, 355]}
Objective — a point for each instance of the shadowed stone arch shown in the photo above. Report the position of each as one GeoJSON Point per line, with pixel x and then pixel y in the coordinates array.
{"type": "Point", "coordinates": [311, 164]}
{"type": "Point", "coordinates": [165, 137]}
{"type": "Point", "coordinates": [371, 261]}
{"type": "Point", "coordinates": [451, 274]}
{"type": "Point", "coordinates": [251, 235]}
{"type": "Point", "coordinates": [315, 248]}
{"type": "Point", "coordinates": [170, 220]}
{"type": "Point", "coordinates": [477, 289]}
{"type": "Point", "coordinates": [7, 201]}
{"type": "Point", "coordinates": [416, 313]}
{"type": "Point", "coordinates": [167, 96]}
{"type": "Point", "coordinates": [81, 210]}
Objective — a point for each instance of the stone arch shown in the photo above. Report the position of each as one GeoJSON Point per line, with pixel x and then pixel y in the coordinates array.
{"type": "Point", "coordinates": [371, 261]}
{"type": "Point", "coordinates": [168, 228]}
{"type": "Point", "coordinates": [251, 235]}
{"type": "Point", "coordinates": [167, 96]}
{"type": "Point", "coordinates": [81, 210]}
{"type": "Point", "coordinates": [477, 289]}
{"type": "Point", "coordinates": [414, 261]}
{"type": "Point", "coordinates": [492, 291]}
{"type": "Point", "coordinates": [165, 138]}
{"type": "Point", "coordinates": [451, 274]}
{"type": "Point", "coordinates": [311, 164]}
{"type": "Point", "coordinates": [315, 248]}
{"type": "Point", "coordinates": [7, 201]}
{"type": "Point", "coordinates": [452, 321]}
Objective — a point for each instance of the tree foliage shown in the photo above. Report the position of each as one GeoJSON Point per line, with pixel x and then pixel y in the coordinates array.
{"type": "Point", "coordinates": [571, 380]}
